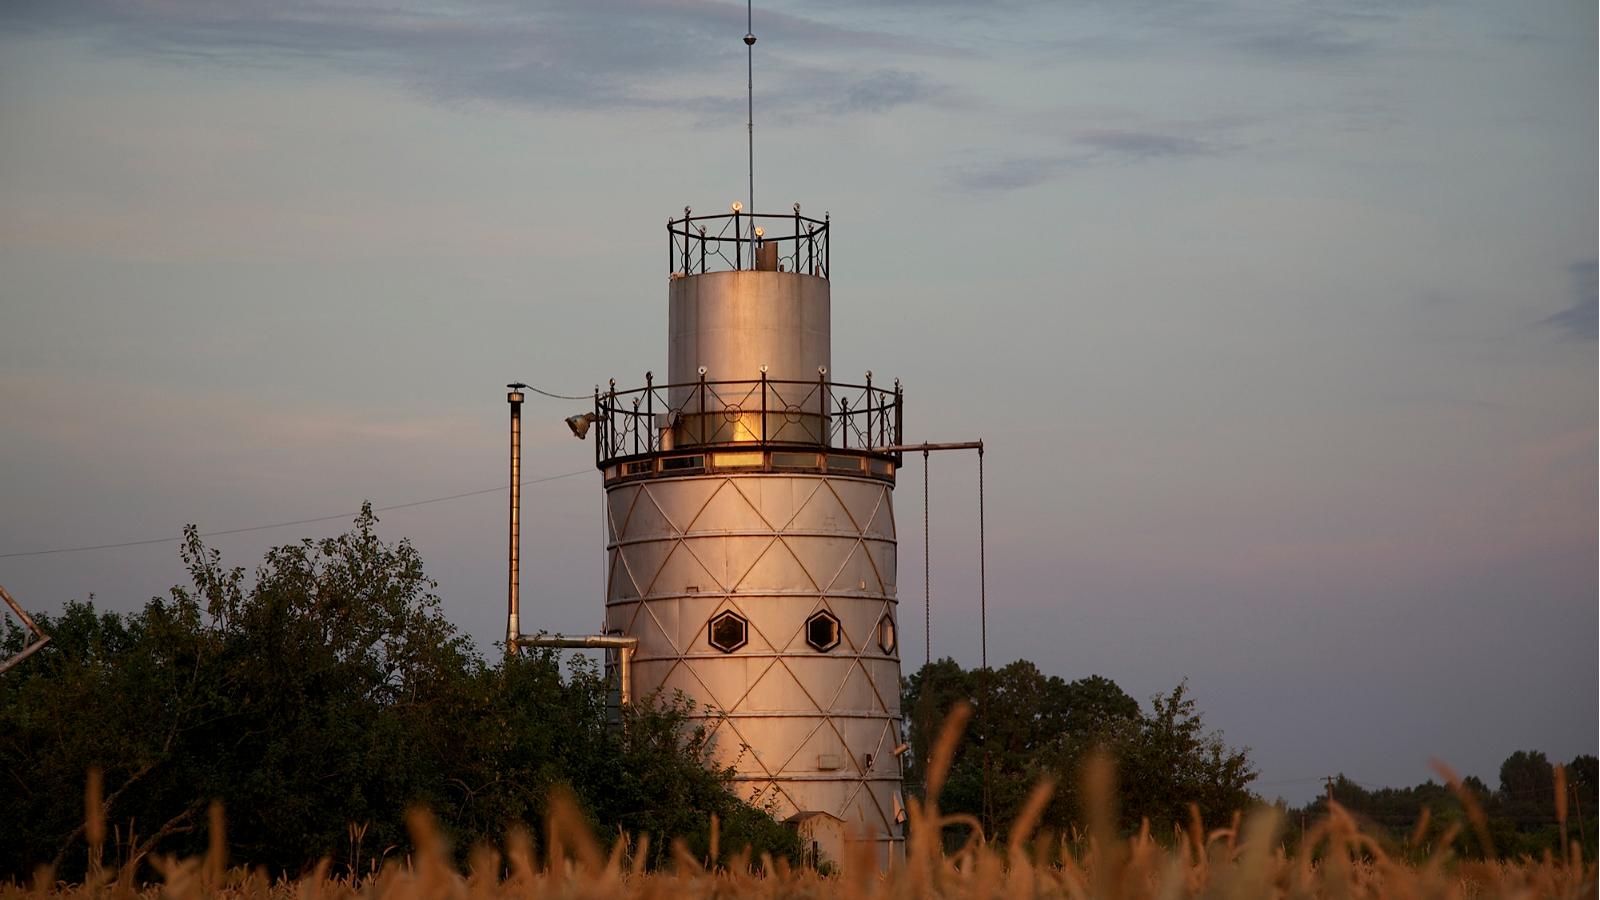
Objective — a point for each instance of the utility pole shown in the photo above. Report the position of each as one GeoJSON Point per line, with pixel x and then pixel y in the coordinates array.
{"type": "Point", "coordinates": [514, 556]}
{"type": "Point", "coordinates": [1329, 780]}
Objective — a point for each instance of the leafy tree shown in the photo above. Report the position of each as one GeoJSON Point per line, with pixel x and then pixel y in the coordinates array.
{"type": "Point", "coordinates": [319, 699]}
{"type": "Point", "coordinates": [1521, 814]}
{"type": "Point", "coordinates": [1027, 725]}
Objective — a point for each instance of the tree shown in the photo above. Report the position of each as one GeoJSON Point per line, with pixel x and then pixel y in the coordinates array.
{"type": "Point", "coordinates": [1028, 725]}
{"type": "Point", "coordinates": [319, 699]}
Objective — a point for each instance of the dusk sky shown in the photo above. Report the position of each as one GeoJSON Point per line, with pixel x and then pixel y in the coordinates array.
{"type": "Point", "coordinates": [1278, 318]}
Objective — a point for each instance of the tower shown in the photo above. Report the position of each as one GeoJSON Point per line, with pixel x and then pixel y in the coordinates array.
{"type": "Point", "coordinates": [751, 534]}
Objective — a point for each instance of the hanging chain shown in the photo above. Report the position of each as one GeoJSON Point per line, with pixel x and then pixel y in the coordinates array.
{"type": "Point", "coordinates": [983, 588]}
{"type": "Point", "coordinates": [927, 616]}
{"type": "Point", "coordinates": [983, 630]}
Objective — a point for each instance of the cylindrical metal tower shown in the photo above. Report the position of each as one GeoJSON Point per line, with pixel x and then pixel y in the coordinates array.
{"type": "Point", "coordinates": [751, 531]}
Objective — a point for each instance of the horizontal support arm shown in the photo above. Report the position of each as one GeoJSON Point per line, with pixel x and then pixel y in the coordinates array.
{"type": "Point", "coordinates": [582, 641]}
{"type": "Point", "coordinates": [627, 646]}
{"type": "Point", "coordinates": [925, 447]}
{"type": "Point", "coordinates": [7, 665]}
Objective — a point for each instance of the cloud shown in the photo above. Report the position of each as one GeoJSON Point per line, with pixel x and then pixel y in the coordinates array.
{"type": "Point", "coordinates": [1126, 144]}
{"type": "Point", "coordinates": [1303, 43]}
{"type": "Point", "coordinates": [1010, 174]}
{"type": "Point", "coordinates": [597, 53]}
{"type": "Point", "coordinates": [1097, 147]}
{"type": "Point", "coordinates": [1580, 320]}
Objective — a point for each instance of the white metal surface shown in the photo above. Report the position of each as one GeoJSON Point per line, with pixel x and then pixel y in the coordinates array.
{"type": "Point", "coordinates": [805, 730]}
{"type": "Point", "coordinates": [733, 323]}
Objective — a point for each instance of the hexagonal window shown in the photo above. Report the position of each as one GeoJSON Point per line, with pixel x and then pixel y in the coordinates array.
{"type": "Point", "coordinates": [728, 631]}
{"type": "Point", "coordinates": [822, 631]}
{"type": "Point", "coordinates": [886, 637]}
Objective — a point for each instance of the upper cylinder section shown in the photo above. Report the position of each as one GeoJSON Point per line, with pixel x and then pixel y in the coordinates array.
{"type": "Point", "coordinates": [734, 323]}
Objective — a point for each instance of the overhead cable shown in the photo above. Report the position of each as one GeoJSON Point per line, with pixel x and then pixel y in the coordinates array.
{"type": "Point", "coordinates": [313, 520]}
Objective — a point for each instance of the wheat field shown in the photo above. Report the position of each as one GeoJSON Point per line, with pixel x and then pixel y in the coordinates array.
{"type": "Point", "coordinates": [1335, 859]}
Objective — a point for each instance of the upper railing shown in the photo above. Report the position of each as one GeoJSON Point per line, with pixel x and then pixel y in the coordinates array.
{"type": "Point", "coordinates": [762, 413]}
{"type": "Point", "coordinates": [731, 241]}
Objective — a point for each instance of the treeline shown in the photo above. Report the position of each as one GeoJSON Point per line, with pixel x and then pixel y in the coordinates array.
{"type": "Point", "coordinates": [1027, 726]}
{"type": "Point", "coordinates": [318, 700]}
{"type": "Point", "coordinates": [1521, 815]}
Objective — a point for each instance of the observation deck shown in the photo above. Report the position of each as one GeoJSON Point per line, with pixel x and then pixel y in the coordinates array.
{"type": "Point", "coordinates": [761, 425]}
{"type": "Point", "coordinates": [739, 241]}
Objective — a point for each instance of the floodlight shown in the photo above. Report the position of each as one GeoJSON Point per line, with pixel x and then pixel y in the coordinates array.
{"type": "Point", "coordinates": [580, 424]}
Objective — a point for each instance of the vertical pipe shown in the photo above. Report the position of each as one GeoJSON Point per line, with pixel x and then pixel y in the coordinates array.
{"type": "Point", "coordinates": [738, 243]}
{"type": "Point", "coordinates": [625, 687]}
{"type": "Point", "coordinates": [514, 564]}
{"type": "Point", "coordinates": [827, 246]}
{"type": "Point", "coordinates": [763, 406]}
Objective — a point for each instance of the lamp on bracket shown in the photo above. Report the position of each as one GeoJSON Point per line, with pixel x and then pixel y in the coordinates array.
{"type": "Point", "coordinates": [580, 424]}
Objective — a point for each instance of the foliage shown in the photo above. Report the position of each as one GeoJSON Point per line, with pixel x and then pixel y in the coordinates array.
{"type": "Point", "coordinates": [1337, 860]}
{"type": "Point", "coordinates": [1521, 817]}
{"type": "Point", "coordinates": [1028, 725]}
{"type": "Point", "coordinates": [319, 700]}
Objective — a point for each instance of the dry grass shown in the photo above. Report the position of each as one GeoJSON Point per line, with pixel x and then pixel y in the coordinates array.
{"type": "Point", "coordinates": [1246, 860]}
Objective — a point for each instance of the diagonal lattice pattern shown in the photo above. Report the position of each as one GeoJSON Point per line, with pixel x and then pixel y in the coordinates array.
{"type": "Point", "coordinates": [804, 730]}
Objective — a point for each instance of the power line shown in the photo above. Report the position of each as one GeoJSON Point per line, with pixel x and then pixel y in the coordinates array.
{"type": "Point", "coordinates": [559, 396]}
{"type": "Point", "coordinates": [310, 521]}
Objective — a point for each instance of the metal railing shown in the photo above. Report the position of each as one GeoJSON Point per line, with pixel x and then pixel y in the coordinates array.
{"type": "Point", "coordinates": [735, 414]}
{"type": "Point", "coordinates": [728, 242]}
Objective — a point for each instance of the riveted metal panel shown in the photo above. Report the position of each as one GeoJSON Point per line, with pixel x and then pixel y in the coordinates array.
{"type": "Point", "coordinates": [797, 725]}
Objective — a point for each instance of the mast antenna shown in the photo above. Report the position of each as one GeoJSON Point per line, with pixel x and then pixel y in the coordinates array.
{"type": "Point", "coordinates": [750, 122]}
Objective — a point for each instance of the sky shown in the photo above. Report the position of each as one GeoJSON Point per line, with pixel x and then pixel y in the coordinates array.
{"type": "Point", "coordinates": [1278, 319]}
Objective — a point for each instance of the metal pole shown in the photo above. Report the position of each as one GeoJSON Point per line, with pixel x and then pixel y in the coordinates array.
{"type": "Point", "coordinates": [750, 122]}
{"type": "Point", "coordinates": [514, 562]}
{"type": "Point", "coordinates": [40, 638]}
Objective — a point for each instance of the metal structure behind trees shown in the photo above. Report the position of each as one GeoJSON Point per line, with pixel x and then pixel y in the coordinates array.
{"type": "Point", "coordinates": [29, 647]}
{"type": "Point", "coordinates": [751, 537]}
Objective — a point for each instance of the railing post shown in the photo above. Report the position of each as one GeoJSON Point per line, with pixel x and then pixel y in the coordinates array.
{"type": "Point", "coordinates": [811, 248]}
{"type": "Point", "coordinates": [844, 423]}
{"type": "Point", "coordinates": [653, 438]}
{"type": "Point", "coordinates": [797, 238]}
{"type": "Point", "coordinates": [899, 420]}
{"type": "Point", "coordinates": [636, 426]}
{"type": "Point", "coordinates": [702, 249]}
{"type": "Point", "coordinates": [686, 240]}
{"type": "Point", "coordinates": [870, 404]}
{"type": "Point", "coordinates": [822, 407]}
{"type": "Point", "coordinates": [827, 247]}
